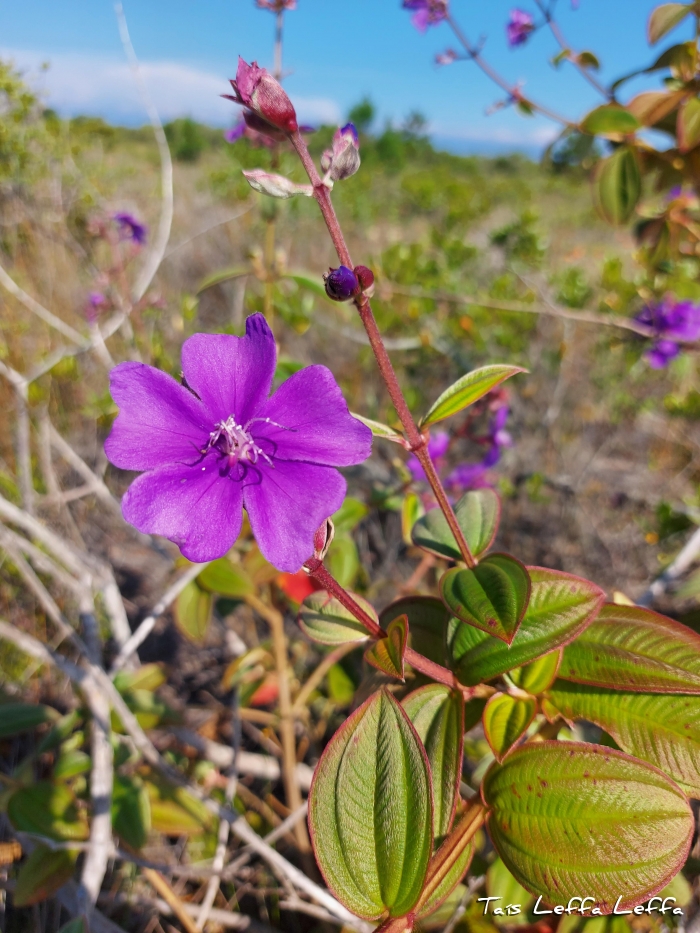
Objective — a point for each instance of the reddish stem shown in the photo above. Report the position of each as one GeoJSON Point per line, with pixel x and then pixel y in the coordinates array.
{"type": "Point", "coordinates": [417, 441]}
{"type": "Point", "coordinates": [573, 58]}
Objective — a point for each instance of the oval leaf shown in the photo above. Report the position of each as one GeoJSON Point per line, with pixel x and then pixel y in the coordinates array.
{"type": "Point", "coordinates": [650, 107]}
{"type": "Point", "coordinates": [506, 719]}
{"type": "Point", "coordinates": [478, 513]}
{"type": "Point", "coordinates": [688, 126]}
{"type": "Point", "coordinates": [635, 649]}
{"type": "Point", "coordinates": [535, 678]}
{"type": "Point", "coordinates": [411, 510]}
{"type": "Point", "coordinates": [131, 811]}
{"type": "Point", "coordinates": [387, 654]}
{"type": "Point", "coordinates": [609, 119]}
{"type": "Point", "coordinates": [226, 579]}
{"type": "Point", "coordinates": [42, 874]}
{"type": "Point", "coordinates": [370, 812]}
{"type": "Point", "coordinates": [47, 809]}
{"type": "Point", "coordinates": [617, 185]}
{"type": "Point", "coordinates": [174, 811]}
{"type": "Point", "coordinates": [664, 18]}
{"type": "Point", "coordinates": [467, 390]}
{"type": "Point", "coordinates": [492, 596]}
{"type": "Point", "coordinates": [561, 606]}
{"type": "Point", "coordinates": [327, 622]}
{"type": "Point", "coordinates": [438, 716]}
{"type": "Point", "coordinates": [193, 613]}
{"type": "Point", "coordinates": [427, 624]}
{"type": "Point", "coordinates": [663, 730]}
{"type": "Point", "coordinates": [23, 717]}
{"type": "Point", "coordinates": [568, 817]}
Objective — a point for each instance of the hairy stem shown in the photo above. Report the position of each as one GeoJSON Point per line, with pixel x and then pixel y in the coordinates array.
{"type": "Point", "coordinates": [417, 441]}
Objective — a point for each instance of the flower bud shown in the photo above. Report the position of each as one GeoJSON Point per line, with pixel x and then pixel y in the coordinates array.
{"type": "Point", "coordinates": [256, 89]}
{"type": "Point", "coordinates": [343, 160]}
{"type": "Point", "coordinates": [323, 538]}
{"type": "Point", "coordinates": [365, 277]}
{"type": "Point", "coordinates": [276, 186]}
{"type": "Point", "coordinates": [341, 284]}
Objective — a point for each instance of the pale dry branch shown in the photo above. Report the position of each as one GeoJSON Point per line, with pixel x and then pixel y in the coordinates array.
{"type": "Point", "coordinates": [44, 563]}
{"type": "Point", "coordinates": [9, 284]}
{"type": "Point", "coordinates": [62, 447]}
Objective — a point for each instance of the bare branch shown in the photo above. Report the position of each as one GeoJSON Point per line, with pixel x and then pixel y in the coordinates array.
{"type": "Point", "coordinates": [71, 457]}
{"type": "Point", "coordinates": [32, 305]}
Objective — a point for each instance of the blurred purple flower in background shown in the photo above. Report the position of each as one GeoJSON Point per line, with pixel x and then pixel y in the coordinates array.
{"type": "Point", "coordinates": [519, 27]}
{"type": "Point", "coordinates": [276, 6]}
{"type": "Point", "coordinates": [427, 12]}
{"type": "Point", "coordinates": [96, 301]}
{"type": "Point", "coordinates": [218, 444]}
{"type": "Point", "coordinates": [437, 448]}
{"type": "Point", "coordinates": [234, 133]}
{"type": "Point", "coordinates": [130, 228]}
{"type": "Point", "coordinates": [672, 322]}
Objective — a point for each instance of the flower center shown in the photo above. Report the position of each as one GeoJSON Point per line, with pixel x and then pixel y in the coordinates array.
{"type": "Point", "coordinates": [235, 443]}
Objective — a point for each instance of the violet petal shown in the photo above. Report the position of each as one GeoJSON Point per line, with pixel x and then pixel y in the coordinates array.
{"type": "Point", "coordinates": [232, 375]}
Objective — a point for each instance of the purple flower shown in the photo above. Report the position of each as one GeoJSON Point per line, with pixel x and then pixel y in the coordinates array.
{"type": "Point", "coordinates": [96, 301]}
{"type": "Point", "coordinates": [519, 27]}
{"type": "Point", "coordinates": [672, 323]}
{"type": "Point", "coordinates": [233, 134]}
{"type": "Point", "coordinates": [218, 444]}
{"type": "Point", "coordinates": [130, 228]}
{"type": "Point", "coordinates": [341, 283]}
{"type": "Point", "coordinates": [467, 476]}
{"type": "Point", "coordinates": [437, 448]}
{"type": "Point", "coordinates": [427, 12]}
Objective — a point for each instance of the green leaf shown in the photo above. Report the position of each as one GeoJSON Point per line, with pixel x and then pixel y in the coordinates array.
{"type": "Point", "coordinates": [610, 118]}
{"type": "Point", "coordinates": [478, 513]}
{"type": "Point", "coordinates": [411, 511]}
{"type": "Point", "coordinates": [663, 730]}
{"type": "Point", "coordinates": [506, 719]}
{"type": "Point", "coordinates": [467, 390]}
{"type": "Point", "coordinates": [561, 606]}
{"type": "Point", "coordinates": [174, 811]}
{"type": "Point", "coordinates": [588, 60]}
{"type": "Point", "coordinates": [23, 717]}
{"type": "Point", "coordinates": [341, 688]}
{"type": "Point", "coordinates": [568, 818]}
{"type": "Point", "coordinates": [327, 622]}
{"type": "Point", "coordinates": [688, 126]}
{"type": "Point", "coordinates": [131, 811]}
{"type": "Point", "coordinates": [226, 579]}
{"type": "Point", "coordinates": [617, 185]}
{"type": "Point", "coordinates": [427, 624]}
{"type": "Point", "coordinates": [386, 654]}
{"type": "Point", "coordinates": [629, 648]}
{"type": "Point", "coordinates": [349, 515]}
{"type": "Point", "coordinates": [492, 596]}
{"type": "Point", "coordinates": [70, 764]}
{"type": "Point", "coordinates": [664, 18]}
{"type": "Point", "coordinates": [223, 275]}
{"type": "Point", "coordinates": [437, 714]}
{"type": "Point", "coordinates": [535, 678]}
{"type": "Point", "coordinates": [378, 429]}
{"type": "Point", "coordinates": [47, 809]}
{"type": "Point", "coordinates": [370, 812]}
{"type": "Point", "coordinates": [193, 613]}
{"type": "Point", "coordinates": [500, 883]}
{"type": "Point", "coordinates": [42, 874]}
{"type": "Point", "coordinates": [309, 282]}
{"type": "Point", "coordinates": [343, 561]}
{"type": "Point", "coordinates": [146, 677]}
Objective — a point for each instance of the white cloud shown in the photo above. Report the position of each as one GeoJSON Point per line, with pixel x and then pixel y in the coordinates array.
{"type": "Point", "coordinates": [503, 135]}
{"type": "Point", "coordinates": [101, 86]}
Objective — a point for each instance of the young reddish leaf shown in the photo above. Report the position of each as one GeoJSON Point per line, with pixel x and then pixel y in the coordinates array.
{"type": "Point", "coordinates": [327, 622]}
{"type": "Point", "coordinates": [427, 624]}
{"type": "Point", "coordinates": [370, 811]}
{"type": "Point", "coordinates": [665, 18]}
{"type": "Point", "coordinates": [610, 119]}
{"type": "Point", "coordinates": [467, 390]}
{"type": "Point", "coordinates": [663, 730]}
{"type": "Point", "coordinates": [492, 596]}
{"type": "Point", "coordinates": [506, 719]}
{"type": "Point", "coordinates": [42, 874]}
{"type": "Point", "coordinates": [561, 606]}
{"type": "Point", "coordinates": [437, 714]}
{"type": "Point", "coordinates": [650, 107]}
{"type": "Point", "coordinates": [47, 809]}
{"type": "Point", "coordinates": [193, 613]}
{"type": "Point", "coordinates": [536, 677]}
{"type": "Point", "coordinates": [688, 126]}
{"type": "Point", "coordinates": [478, 513]}
{"type": "Point", "coordinates": [630, 648]}
{"type": "Point", "coordinates": [386, 654]}
{"type": "Point", "coordinates": [567, 817]}
{"type": "Point", "coordinates": [617, 185]}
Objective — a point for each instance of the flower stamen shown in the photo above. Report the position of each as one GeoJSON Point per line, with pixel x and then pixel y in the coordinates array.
{"type": "Point", "coordinates": [235, 443]}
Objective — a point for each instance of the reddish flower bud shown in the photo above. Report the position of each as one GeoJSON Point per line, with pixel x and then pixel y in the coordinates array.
{"type": "Point", "coordinates": [343, 160]}
{"type": "Point", "coordinates": [323, 539]}
{"type": "Point", "coordinates": [341, 284]}
{"type": "Point", "coordinates": [256, 89]}
{"type": "Point", "coordinates": [365, 277]}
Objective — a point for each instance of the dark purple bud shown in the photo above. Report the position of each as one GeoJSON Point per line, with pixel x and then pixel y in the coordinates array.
{"type": "Point", "coordinates": [365, 277]}
{"type": "Point", "coordinates": [257, 90]}
{"type": "Point", "coordinates": [341, 284]}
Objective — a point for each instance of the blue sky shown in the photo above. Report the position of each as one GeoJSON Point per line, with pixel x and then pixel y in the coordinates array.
{"type": "Point", "coordinates": [336, 51]}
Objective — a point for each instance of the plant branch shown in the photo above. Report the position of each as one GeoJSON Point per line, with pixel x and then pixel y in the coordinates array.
{"type": "Point", "coordinates": [571, 55]}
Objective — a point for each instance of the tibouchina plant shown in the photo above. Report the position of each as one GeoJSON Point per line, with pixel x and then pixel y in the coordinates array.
{"type": "Point", "coordinates": [526, 649]}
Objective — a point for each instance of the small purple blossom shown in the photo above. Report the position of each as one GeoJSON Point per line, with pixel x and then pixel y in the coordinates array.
{"type": "Point", "coordinates": [130, 228]}
{"type": "Point", "coordinates": [426, 12]}
{"type": "Point", "coordinates": [217, 444]}
{"type": "Point", "coordinates": [234, 133]}
{"type": "Point", "coordinates": [672, 322]}
{"type": "Point", "coordinates": [96, 301]}
{"type": "Point", "coordinates": [437, 448]}
{"type": "Point", "coordinates": [519, 27]}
